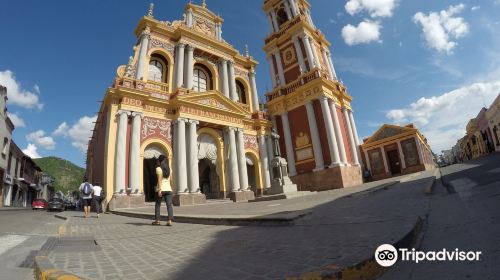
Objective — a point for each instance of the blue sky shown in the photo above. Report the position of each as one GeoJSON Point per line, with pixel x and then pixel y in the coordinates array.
{"type": "Point", "coordinates": [433, 63]}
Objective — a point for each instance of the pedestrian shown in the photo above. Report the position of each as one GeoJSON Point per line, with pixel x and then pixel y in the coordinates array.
{"type": "Point", "coordinates": [86, 190]}
{"type": "Point", "coordinates": [97, 198]}
{"type": "Point", "coordinates": [163, 190]}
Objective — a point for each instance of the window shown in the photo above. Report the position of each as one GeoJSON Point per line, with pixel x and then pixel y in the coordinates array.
{"type": "Point", "coordinates": [410, 151]}
{"type": "Point", "coordinates": [281, 16]}
{"type": "Point", "coordinates": [376, 162]}
{"type": "Point", "coordinates": [240, 90]}
{"type": "Point", "coordinates": [155, 71]}
{"type": "Point", "coordinates": [5, 143]}
{"type": "Point", "coordinates": [200, 80]}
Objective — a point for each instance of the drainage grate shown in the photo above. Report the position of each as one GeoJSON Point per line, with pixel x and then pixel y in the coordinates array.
{"type": "Point", "coordinates": [76, 245]}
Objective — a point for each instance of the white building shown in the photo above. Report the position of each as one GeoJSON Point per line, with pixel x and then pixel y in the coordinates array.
{"type": "Point", "coordinates": [6, 128]}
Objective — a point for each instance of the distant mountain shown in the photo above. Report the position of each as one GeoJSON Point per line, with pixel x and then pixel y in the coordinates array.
{"type": "Point", "coordinates": [67, 175]}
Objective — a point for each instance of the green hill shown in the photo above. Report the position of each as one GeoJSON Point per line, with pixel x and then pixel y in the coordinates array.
{"type": "Point", "coordinates": [67, 175]}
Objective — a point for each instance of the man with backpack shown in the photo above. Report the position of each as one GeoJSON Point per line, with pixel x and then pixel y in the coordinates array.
{"type": "Point", "coordinates": [86, 190]}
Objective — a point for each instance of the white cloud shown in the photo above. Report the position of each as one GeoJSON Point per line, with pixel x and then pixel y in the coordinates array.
{"type": "Point", "coordinates": [475, 8]}
{"type": "Point", "coordinates": [61, 130]}
{"type": "Point", "coordinates": [376, 8]}
{"type": "Point", "coordinates": [38, 137]}
{"type": "Point", "coordinates": [365, 32]}
{"type": "Point", "coordinates": [440, 29]}
{"type": "Point", "coordinates": [31, 151]}
{"type": "Point", "coordinates": [442, 119]}
{"type": "Point", "coordinates": [79, 132]}
{"type": "Point", "coordinates": [18, 95]}
{"type": "Point", "coordinates": [16, 119]}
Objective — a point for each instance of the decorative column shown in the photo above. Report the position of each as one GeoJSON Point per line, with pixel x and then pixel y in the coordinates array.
{"type": "Point", "coordinates": [269, 17]}
{"type": "Point", "coordinates": [189, 68]}
{"type": "Point", "coordinates": [402, 155]}
{"type": "Point", "coordinates": [194, 181]}
{"type": "Point", "coordinates": [143, 50]}
{"type": "Point", "coordinates": [255, 94]}
{"type": "Point", "coordinates": [264, 162]}
{"type": "Point", "coordinates": [354, 149]}
{"type": "Point", "coordinates": [272, 70]}
{"type": "Point", "coordinates": [219, 28]}
{"type": "Point", "coordinates": [368, 164]}
{"type": "Point", "coordinates": [233, 160]}
{"type": "Point", "coordinates": [309, 52]}
{"type": "Point", "coordinates": [384, 159]}
{"type": "Point", "coordinates": [300, 56]}
{"type": "Point", "coordinates": [270, 154]}
{"type": "Point", "coordinates": [180, 154]}
{"type": "Point", "coordinates": [281, 75]}
{"type": "Point", "coordinates": [338, 133]}
{"type": "Point", "coordinates": [275, 22]}
{"type": "Point", "coordinates": [189, 19]}
{"type": "Point", "coordinates": [290, 153]}
{"type": "Point", "coordinates": [329, 55]}
{"type": "Point", "coordinates": [332, 141]}
{"type": "Point", "coordinates": [179, 66]}
{"type": "Point", "coordinates": [325, 59]}
{"type": "Point", "coordinates": [315, 53]}
{"type": "Point", "coordinates": [121, 151]}
{"type": "Point", "coordinates": [355, 133]}
{"type": "Point", "coordinates": [232, 82]}
{"type": "Point", "coordinates": [287, 10]}
{"type": "Point", "coordinates": [242, 161]}
{"type": "Point", "coordinates": [135, 152]}
{"type": "Point", "coordinates": [293, 6]}
{"type": "Point", "coordinates": [318, 152]}
{"type": "Point", "coordinates": [224, 78]}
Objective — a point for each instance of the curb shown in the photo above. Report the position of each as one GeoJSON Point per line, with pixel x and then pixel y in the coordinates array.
{"type": "Point", "coordinates": [367, 269]}
{"type": "Point", "coordinates": [284, 219]}
{"type": "Point", "coordinates": [45, 270]}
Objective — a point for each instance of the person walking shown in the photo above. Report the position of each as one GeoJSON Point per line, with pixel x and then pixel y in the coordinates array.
{"type": "Point", "coordinates": [86, 190]}
{"type": "Point", "coordinates": [97, 198]}
{"type": "Point", "coordinates": [163, 190]}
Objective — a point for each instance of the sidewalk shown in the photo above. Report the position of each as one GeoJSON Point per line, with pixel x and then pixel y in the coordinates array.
{"type": "Point", "coordinates": [272, 212]}
{"type": "Point", "coordinates": [10, 208]}
{"type": "Point", "coordinates": [334, 236]}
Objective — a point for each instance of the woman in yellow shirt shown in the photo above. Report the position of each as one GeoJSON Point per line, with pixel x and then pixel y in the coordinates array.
{"type": "Point", "coordinates": [163, 190]}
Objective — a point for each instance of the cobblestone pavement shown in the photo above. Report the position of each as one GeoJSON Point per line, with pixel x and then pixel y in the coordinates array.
{"type": "Point", "coordinates": [339, 233]}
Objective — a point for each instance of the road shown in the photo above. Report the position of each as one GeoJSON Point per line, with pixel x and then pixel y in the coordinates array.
{"type": "Point", "coordinates": [22, 232]}
{"type": "Point", "coordinates": [466, 215]}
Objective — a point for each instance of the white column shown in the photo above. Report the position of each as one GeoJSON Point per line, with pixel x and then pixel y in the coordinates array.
{"type": "Point", "coordinates": [401, 155]}
{"type": "Point", "coordinates": [318, 152]}
{"type": "Point", "coordinates": [287, 10]}
{"type": "Point", "coordinates": [338, 132]}
{"type": "Point", "coordinates": [273, 16]}
{"type": "Point", "coordinates": [419, 149]}
{"type": "Point", "coordinates": [280, 68]}
{"type": "Point", "coordinates": [293, 6]}
{"type": "Point", "coordinates": [355, 133]}
{"type": "Point", "coordinates": [309, 18]}
{"type": "Point", "coordinates": [384, 159]}
{"type": "Point", "coordinates": [329, 55]}
{"type": "Point", "coordinates": [233, 160]}
{"type": "Point", "coordinates": [190, 18]}
{"type": "Point", "coordinates": [179, 66]}
{"type": "Point", "coordinates": [332, 141]}
{"type": "Point", "coordinates": [300, 55]}
{"type": "Point", "coordinates": [232, 82]}
{"type": "Point", "coordinates": [264, 162]}
{"type": "Point", "coordinates": [315, 53]}
{"type": "Point", "coordinates": [290, 153]}
{"type": "Point", "coordinates": [143, 50]}
{"type": "Point", "coordinates": [220, 31]}
{"type": "Point", "coordinates": [368, 165]}
{"type": "Point", "coordinates": [309, 52]}
{"type": "Point", "coordinates": [189, 68]}
{"type": "Point", "coordinates": [242, 161]}
{"type": "Point", "coordinates": [270, 154]}
{"type": "Point", "coordinates": [180, 145]}
{"type": "Point", "coordinates": [224, 78]}
{"type": "Point", "coordinates": [255, 94]}
{"type": "Point", "coordinates": [269, 17]}
{"type": "Point", "coordinates": [272, 70]}
{"type": "Point", "coordinates": [325, 59]}
{"type": "Point", "coordinates": [194, 181]}
{"type": "Point", "coordinates": [135, 152]}
{"type": "Point", "coordinates": [354, 149]}
{"type": "Point", "coordinates": [121, 147]}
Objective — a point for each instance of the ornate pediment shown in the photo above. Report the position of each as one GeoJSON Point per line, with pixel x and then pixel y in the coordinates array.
{"type": "Point", "coordinates": [387, 131]}
{"type": "Point", "coordinates": [212, 101]}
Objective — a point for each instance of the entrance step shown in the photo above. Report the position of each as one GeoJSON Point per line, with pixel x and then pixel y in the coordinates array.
{"type": "Point", "coordinates": [282, 196]}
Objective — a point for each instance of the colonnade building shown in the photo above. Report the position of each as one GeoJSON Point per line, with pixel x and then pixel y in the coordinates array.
{"type": "Point", "coordinates": [309, 106]}
{"type": "Point", "coordinates": [187, 94]}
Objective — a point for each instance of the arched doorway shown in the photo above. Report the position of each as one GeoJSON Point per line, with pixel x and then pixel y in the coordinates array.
{"type": "Point", "coordinates": [151, 153]}
{"type": "Point", "coordinates": [253, 172]}
{"type": "Point", "coordinates": [207, 166]}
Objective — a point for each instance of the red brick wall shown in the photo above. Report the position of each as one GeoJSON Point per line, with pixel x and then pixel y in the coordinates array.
{"type": "Point", "coordinates": [98, 149]}
{"type": "Point", "coordinates": [299, 123]}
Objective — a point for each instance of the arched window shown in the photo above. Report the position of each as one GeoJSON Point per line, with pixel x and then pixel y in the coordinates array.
{"type": "Point", "coordinates": [240, 89]}
{"type": "Point", "coordinates": [155, 71]}
{"type": "Point", "coordinates": [281, 16]}
{"type": "Point", "coordinates": [201, 81]}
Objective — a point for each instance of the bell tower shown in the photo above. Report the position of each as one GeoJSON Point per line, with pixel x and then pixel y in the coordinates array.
{"type": "Point", "coordinates": [309, 107]}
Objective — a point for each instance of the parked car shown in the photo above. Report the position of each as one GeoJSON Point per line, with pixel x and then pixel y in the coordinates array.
{"type": "Point", "coordinates": [39, 204]}
{"type": "Point", "coordinates": [56, 204]}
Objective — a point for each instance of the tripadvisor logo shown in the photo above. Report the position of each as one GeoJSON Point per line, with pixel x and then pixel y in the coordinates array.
{"type": "Point", "coordinates": [386, 255]}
